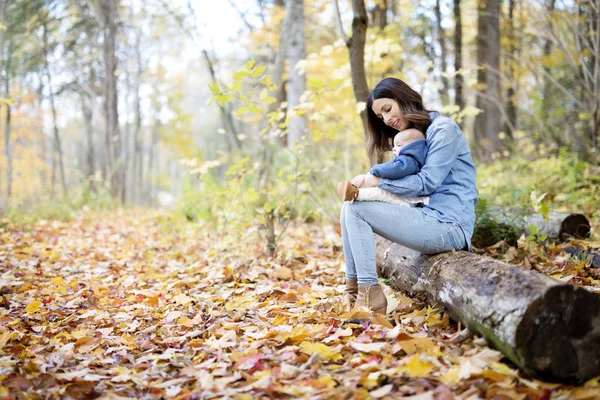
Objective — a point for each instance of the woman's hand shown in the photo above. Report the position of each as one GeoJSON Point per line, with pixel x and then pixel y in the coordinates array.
{"type": "Point", "coordinates": [365, 180]}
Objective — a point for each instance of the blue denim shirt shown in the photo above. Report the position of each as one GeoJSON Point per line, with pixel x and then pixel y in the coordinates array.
{"type": "Point", "coordinates": [409, 161]}
{"type": "Point", "coordinates": [448, 177]}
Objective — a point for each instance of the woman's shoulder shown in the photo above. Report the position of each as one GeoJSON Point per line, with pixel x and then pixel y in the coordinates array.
{"type": "Point", "coordinates": [442, 124]}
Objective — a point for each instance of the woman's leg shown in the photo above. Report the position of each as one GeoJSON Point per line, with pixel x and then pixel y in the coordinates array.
{"type": "Point", "coordinates": [350, 268]}
{"type": "Point", "coordinates": [407, 226]}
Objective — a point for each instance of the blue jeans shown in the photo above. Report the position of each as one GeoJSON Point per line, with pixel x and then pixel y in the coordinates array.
{"type": "Point", "coordinates": [407, 226]}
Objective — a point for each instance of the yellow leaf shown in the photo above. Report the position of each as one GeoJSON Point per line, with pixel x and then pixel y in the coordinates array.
{"type": "Point", "coordinates": [356, 313]}
{"type": "Point", "coordinates": [250, 64]}
{"type": "Point", "coordinates": [417, 368]}
{"type": "Point", "coordinates": [58, 281]}
{"type": "Point", "coordinates": [381, 320]}
{"type": "Point", "coordinates": [184, 321]}
{"type": "Point", "coordinates": [503, 369]}
{"type": "Point", "coordinates": [33, 307]}
{"type": "Point", "coordinates": [324, 351]}
{"type": "Point", "coordinates": [450, 376]}
{"type": "Point", "coordinates": [5, 338]}
{"type": "Point", "coordinates": [182, 299]}
{"type": "Point", "coordinates": [283, 273]}
{"type": "Point", "coordinates": [3, 391]}
{"type": "Point", "coordinates": [368, 347]}
{"type": "Point", "coordinates": [240, 75]}
{"type": "Point", "coordinates": [411, 346]}
{"type": "Point", "coordinates": [258, 71]}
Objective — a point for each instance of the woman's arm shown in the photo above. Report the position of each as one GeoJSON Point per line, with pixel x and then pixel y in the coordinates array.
{"type": "Point", "coordinates": [443, 152]}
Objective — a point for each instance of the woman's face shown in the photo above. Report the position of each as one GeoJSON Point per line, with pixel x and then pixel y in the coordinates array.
{"type": "Point", "coordinates": [389, 112]}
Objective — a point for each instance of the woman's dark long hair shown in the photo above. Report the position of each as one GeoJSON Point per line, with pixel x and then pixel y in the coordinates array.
{"type": "Point", "coordinates": [411, 106]}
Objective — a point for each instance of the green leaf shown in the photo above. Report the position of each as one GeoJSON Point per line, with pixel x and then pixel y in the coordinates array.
{"type": "Point", "coordinates": [544, 209]}
{"type": "Point", "coordinates": [259, 71]}
{"type": "Point", "coordinates": [214, 88]}
{"type": "Point", "coordinates": [317, 84]}
{"type": "Point", "coordinates": [266, 80]}
{"type": "Point", "coordinates": [533, 229]}
{"type": "Point", "coordinates": [250, 65]}
{"type": "Point", "coordinates": [240, 75]}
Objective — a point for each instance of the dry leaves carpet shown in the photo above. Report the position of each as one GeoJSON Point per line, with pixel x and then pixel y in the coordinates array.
{"type": "Point", "coordinates": [129, 305]}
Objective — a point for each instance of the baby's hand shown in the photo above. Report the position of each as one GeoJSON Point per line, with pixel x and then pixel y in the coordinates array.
{"type": "Point", "coordinates": [359, 180]}
{"type": "Point", "coordinates": [365, 181]}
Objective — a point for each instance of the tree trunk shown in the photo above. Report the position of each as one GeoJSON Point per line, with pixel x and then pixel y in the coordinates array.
{"type": "Point", "coordinates": [441, 36]}
{"type": "Point", "coordinates": [57, 140]}
{"type": "Point", "coordinates": [488, 123]}
{"type": "Point", "coordinates": [113, 139]}
{"type": "Point", "coordinates": [137, 146]}
{"type": "Point", "coordinates": [297, 80]}
{"type": "Point", "coordinates": [546, 327]}
{"type": "Point", "coordinates": [2, 5]}
{"type": "Point", "coordinates": [7, 139]}
{"type": "Point", "coordinates": [379, 14]}
{"type": "Point", "coordinates": [458, 78]}
{"type": "Point", "coordinates": [280, 92]}
{"type": "Point", "coordinates": [153, 160]}
{"type": "Point", "coordinates": [497, 223]}
{"type": "Point", "coordinates": [88, 119]}
{"type": "Point", "coordinates": [356, 46]}
{"type": "Point", "coordinates": [511, 74]}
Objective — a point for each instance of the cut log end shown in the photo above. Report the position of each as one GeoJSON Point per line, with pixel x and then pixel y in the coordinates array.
{"type": "Point", "coordinates": [559, 335]}
{"type": "Point", "coordinates": [575, 225]}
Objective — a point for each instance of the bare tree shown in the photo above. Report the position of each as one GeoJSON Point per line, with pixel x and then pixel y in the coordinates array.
{"type": "Point", "coordinates": [7, 126]}
{"type": "Point", "coordinates": [488, 123]}
{"type": "Point", "coordinates": [441, 38]}
{"type": "Point", "coordinates": [297, 80]}
{"type": "Point", "coordinates": [113, 140]}
{"type": "Point", "coordinates": [458, 78]}
{"type": "Point", "coordinates": [379, 14]}
{"type": "Point", "coordinates": [511, 74]}
{"type": "Point", "coordinates": [57, 145]}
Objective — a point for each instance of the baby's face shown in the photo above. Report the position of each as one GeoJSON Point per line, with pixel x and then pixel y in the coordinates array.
{"type": "Point", "coordinates": [400, 141]}
{"type": "Point", "coordinates": [405, 137]}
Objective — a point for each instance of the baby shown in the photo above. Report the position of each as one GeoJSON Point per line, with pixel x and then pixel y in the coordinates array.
{"type": "Point", "coordinates": [410, 150]}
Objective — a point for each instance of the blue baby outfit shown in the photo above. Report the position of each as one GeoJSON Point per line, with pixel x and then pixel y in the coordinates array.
{"type": "Point", "coordinates": [409, 161]}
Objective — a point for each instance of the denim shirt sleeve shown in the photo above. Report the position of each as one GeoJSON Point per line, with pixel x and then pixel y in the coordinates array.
{"type": "Point", "coordinates": [400, 167]}
{"type": "Point", "coordinates": [443, 152]}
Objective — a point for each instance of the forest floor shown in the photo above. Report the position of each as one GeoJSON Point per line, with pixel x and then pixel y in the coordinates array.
{"type": "Point", "coordinates": [131, 304]}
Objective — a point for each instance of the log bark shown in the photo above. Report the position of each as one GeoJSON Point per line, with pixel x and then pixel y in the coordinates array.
{"type": "Point", "coordinates": [559, 227]}
{"type": "Point", "coordinates": [548, 328]}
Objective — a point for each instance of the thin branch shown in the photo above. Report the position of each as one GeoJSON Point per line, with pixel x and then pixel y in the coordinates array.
{"type": "Point", "coordinates": [242, 15]}
{"type": "Point", "coordinates": [338, 22]}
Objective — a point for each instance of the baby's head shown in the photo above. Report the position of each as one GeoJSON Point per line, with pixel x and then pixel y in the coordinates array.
{"type": "Point", "coordinates": [405, 137]}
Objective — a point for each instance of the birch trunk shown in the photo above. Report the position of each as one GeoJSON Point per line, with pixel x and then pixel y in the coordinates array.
{"type": "Point", "coordinates": [297, 126]}
{"type": "Point", "coordinates": [56, 133]}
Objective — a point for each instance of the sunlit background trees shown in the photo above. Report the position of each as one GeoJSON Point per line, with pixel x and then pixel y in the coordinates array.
{"type": "Point", "coordinates": [254, 107]}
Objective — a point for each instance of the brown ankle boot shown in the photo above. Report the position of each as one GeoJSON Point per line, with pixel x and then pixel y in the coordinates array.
{"type": "Point", "coordinates": [347, 191]}
{"type": "Point", "coordinates": [373, 298]}
{"type": "Point", "coordinates": [350, 294]}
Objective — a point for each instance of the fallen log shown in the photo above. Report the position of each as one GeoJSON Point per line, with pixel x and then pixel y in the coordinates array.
{"type": "Point", "coordinates": [496, 223]}
{"type": "Point", "coordinates": [548, 328]}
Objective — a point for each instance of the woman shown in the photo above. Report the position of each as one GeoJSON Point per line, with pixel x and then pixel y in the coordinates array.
{"type": "Point", "coordinates": [448, 177]}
